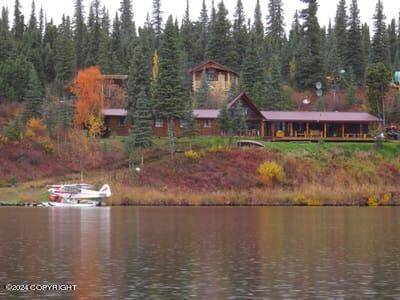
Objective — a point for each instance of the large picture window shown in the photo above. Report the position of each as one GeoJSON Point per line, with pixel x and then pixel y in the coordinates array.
{"type": "Point", "coordinates": [207, 123]}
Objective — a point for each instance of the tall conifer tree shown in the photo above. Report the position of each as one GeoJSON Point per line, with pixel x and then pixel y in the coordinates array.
{"type": "Point", "coordinates": [157, 21]}
{"type": "Point", "coordinates": [221, 45]}
{"type": "Point", "coordinates": [341, 21]}
{"type": "Point", "coordinates": [355, 57]}
{"type": "Point", "coordinates": [33, 98]}
{"type": "Point", "coordinates": [240, 32]}
{"type": "Point", "coordinates": [309, 65]}
{"type": "Point", "coordinates": [79, 34]}
{"type": "Point", "coordinates": [380, 47]}
{"type": "Point", "coordinates": [170, 93]}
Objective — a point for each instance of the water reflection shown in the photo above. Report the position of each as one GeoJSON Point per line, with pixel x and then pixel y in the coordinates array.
{"type": "Point", "coordinates": [214, 253]}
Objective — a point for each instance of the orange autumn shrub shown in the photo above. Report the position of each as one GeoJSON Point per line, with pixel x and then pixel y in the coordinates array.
{"type": "Point", "coordinates": [88, 89]}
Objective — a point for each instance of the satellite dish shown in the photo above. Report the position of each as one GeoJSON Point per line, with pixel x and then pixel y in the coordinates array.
{"type": "Point", "coordinates": [318, 85]}
{"type": "Point", "coordinates": [319, 93]}
{"type": "Point", "coordinates": [306, 101]}
{"type": "Point", "coordinates": [138, 170]}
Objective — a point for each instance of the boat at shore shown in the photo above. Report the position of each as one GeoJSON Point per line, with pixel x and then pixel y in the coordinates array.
{"type": "Point", "coordinates": [77, 195]}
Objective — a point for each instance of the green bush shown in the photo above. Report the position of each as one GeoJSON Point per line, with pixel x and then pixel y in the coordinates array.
{"type": "Point", "coordinates": [14, 129]}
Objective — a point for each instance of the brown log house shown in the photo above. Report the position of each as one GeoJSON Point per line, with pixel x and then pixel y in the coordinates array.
{"type": "Point", "coordinates": [272, 125]}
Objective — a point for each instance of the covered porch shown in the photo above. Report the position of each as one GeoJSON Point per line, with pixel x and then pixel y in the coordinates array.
{"type": "Point", "coordinates": [298, 131]}
{"type": "Point", "coordinates": [316, 126]}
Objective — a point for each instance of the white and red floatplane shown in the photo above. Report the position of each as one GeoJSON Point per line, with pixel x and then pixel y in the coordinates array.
{"type": "Point", "coordinates": [77, 195]}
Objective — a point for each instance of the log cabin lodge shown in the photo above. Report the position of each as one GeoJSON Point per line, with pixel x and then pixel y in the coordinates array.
{"type": "Point", "coordinates": [270, 125]}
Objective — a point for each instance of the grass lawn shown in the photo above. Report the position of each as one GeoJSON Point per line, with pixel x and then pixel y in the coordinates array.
{"type": "Point", "coordinates": [389, 149]}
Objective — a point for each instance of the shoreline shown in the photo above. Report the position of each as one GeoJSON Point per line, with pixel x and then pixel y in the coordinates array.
{"type": "Point", "coordinates": [307, 196]}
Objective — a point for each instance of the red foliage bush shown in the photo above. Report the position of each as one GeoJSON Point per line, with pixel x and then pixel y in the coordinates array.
{"type": "Point", "coordinates": [235, 169]}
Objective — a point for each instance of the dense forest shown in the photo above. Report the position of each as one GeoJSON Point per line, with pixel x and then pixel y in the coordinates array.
{"type": "Point", "coordinates": [38, 57]}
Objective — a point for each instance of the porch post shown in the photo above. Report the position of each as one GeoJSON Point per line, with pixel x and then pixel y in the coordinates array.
{"type": "Point", "coordinates": [342, 130]}
{"type": "Point", "coordinates": [262, 129]}
{"type": "Point", "coordinates": [273, 129]}
{"type": "Point", "coordinates": [361, 130]}
{"type": "Point", "coordinates": [291, 129]}
{"type": "Point", "coordinates": [324, 130]}
{"type": "Point", "coordinates": [307, 129]}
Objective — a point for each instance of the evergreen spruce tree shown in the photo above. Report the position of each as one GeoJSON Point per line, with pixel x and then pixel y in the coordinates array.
{"type": "Point", "coordinates": [240, 33]}
{"type": "Point", "coordinates": [221, 44]}
{"type": "Point", "coordinates": [127, 24]}
{"type": "Point", "coordinates": [393, 42]}
{"type": "Point", "coordinates": [351, 87]}
{"type": "Point", "coordinates": [239, 119]}
{"type": "Point", "coordinates": [6, 45]}
{"type": "Point", "coordinates": [188, 122]}
{"type": "Point", "coordinates": [258, 26]}
{"type": "Point", "coordinates": [80, 33]}
{"type": "Point", "coordinates": [105, 50]}
{"type": "Point", "coordinates": [275, 24]}
{"type": "Point", "coordinates": [128, 32]}
{"type": "Point", "coordinates": [225, 120]}
{"type": "Point", "coordinates": [355, 56]}
{"type": "Point", "coordinates": [187, 47]}
{"type": "Point", "coordinates": [202, 95]}
{"type": "Point", "coordinates": [377, 82]}
{"type": "Point", "coordinates": [49, 52]}
{"type": "Point", "coordinates": [170, 92]}
{"type": "Point", "coordinates": [140, 138]}
{"type": "Point", "coordinates": [341, 21]}
{"type": "Point", "coordinates": [274, 97]}
{"type": "Point", "coordinates": [32, 43]}
{"type": "Point", "coordinates": [397, 60]}
{"type": "Point", "coordinates": [366, 43]}
{"type": "Point", "coordinates": [201, 28]}
{"type": "Point", "coordinates": [18, 28]}
{"type": "Point", "coordinates": [331, 59]}
{"type": "Point", "coordinates": [116, 47]}
{"type": "Point", "coordinates": [253, 75]}
{"type": "Point", "coordinates": [33, 98]}
{"type": "Point", "coordinates": [138, 80]}
{"type": "Point", "coordinates": [157, 21]}
{"type": "Point", "coordinates": [64, 58]}
{"type": "Point", "coordinates": [309, 69]}
{"type": "Point", "coordinates": [94, 34]}
{"type": "Point", "coordinates": [380, 47]}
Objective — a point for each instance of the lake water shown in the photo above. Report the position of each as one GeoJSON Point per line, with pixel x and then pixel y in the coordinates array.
{"type": "Point", "coordinates": [202, 253]}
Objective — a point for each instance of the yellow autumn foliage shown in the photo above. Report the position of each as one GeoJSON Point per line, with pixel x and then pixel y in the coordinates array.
{"type": "Point", "coordinates": [270, 173]}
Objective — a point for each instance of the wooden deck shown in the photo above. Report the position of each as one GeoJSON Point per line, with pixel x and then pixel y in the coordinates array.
{"type": "Point", "coordinates": [317, 139]}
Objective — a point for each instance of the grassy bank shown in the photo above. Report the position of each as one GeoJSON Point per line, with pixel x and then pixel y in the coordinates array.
{"type": "Point", "coordinates": [313, 174]}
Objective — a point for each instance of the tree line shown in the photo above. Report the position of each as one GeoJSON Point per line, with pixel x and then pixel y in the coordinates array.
{"type": "Point", "coordinates": [259, 49]}
{"type": "Point", "coordinates": [38, 58]}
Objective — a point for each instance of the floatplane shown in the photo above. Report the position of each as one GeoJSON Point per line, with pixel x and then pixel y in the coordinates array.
{"type": "Point", "coordinates": [76, 195]}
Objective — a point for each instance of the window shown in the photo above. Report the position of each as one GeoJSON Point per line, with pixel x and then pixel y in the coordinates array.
{"type": "Point", "coordinates": [183, 123]}
{"type": "Point", "coordinates": [121, 121]}
{"type": "Point", "coordinates": [212, 75]}
{"type": "Point", "coordinates": [207, 123]}
{"type": "Point", "coordinates": [159, 123]}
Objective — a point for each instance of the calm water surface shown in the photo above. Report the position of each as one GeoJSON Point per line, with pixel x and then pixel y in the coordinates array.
{"type": "Point", "coordinates": [203, 253]}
